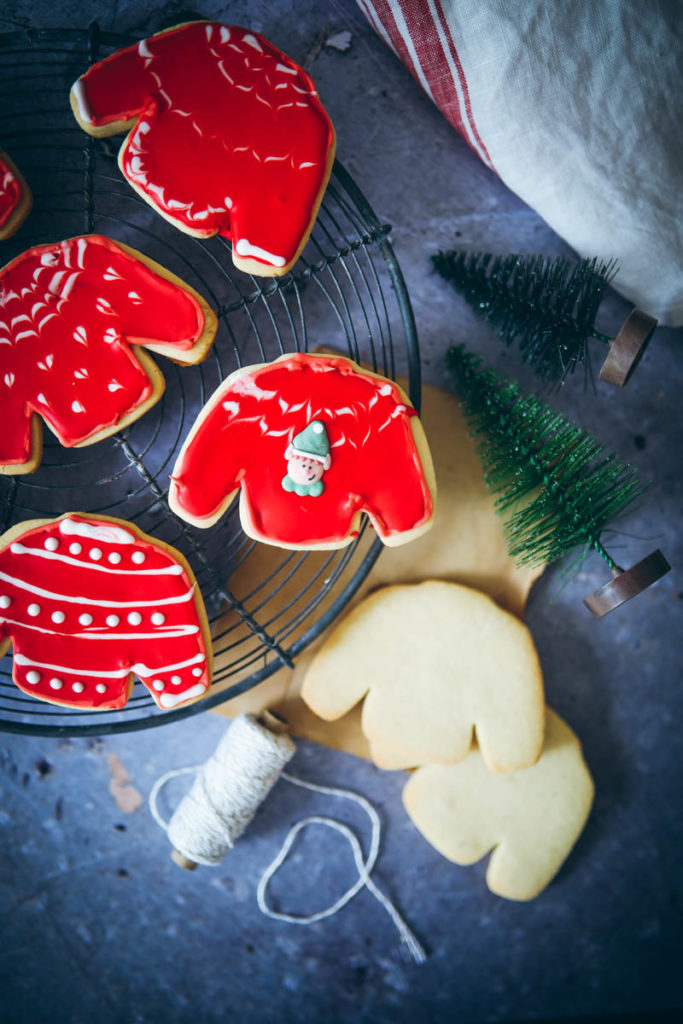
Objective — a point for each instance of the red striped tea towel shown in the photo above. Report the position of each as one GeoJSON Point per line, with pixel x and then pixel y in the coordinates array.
{"type": "Point", "coordinates": [578, 107]}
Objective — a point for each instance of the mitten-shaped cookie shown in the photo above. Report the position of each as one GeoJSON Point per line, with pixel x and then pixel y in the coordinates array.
{"type": "Point", "coordinates": [229, 136]}
{"type": "Point", "coordinates": [529, 818]}
{"type": "Point", "coordinates": [15, 197]}
{"type": "Point", "coordinates": [311, 443]}
{"type": "Point", "coordinates": [89, 602]}
{"type": "Point", "coordinates": [434, 661]}
{"type": "Point", "coordinates": [69, 314]}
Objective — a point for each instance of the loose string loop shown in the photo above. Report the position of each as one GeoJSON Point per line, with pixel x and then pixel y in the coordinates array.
{"type": "Point", "coordinates": [227, 791]}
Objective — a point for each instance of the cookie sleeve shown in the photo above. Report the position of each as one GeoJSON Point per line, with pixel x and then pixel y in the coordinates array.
{"type": "Point", "coordinates": [213, 462]}
{"type": "Point", "coordinates": [399, 477]}
{"type": "Point", "coordinates": [114, 90]}
{"type": "Point", "coordinates": [151, 308]}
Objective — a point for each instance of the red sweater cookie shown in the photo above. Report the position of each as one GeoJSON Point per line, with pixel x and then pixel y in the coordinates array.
{"type": "Point", "coordinates": [69, 314]}
{"type": "Point", "coordinates": [15, 197]}
{"type": "Point", "coordinates": [229, 136]}
{"type": "Point", "coordinates": [87, 603]}
{"type": "Point", "coordinates": [311, 442]}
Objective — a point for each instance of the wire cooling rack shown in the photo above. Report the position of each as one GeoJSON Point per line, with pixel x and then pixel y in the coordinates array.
{"type": "Point", "coordinates": [347, 291]}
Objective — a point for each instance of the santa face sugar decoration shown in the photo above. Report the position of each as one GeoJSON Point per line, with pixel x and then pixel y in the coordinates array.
{"type": "Point", "coordinates": [228, 137]}
{"type": "Point", "coordinates": [308, 456]}
{"type": "Point", "coordinates": [69, 314]}
{"type": "Point", "coordinates": [90, 602]}
{"type": "Point", "coordinates": [351, 441]}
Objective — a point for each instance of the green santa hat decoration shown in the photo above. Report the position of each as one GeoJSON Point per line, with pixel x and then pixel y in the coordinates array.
{"type": "Point", "coordinates": [312, 442]}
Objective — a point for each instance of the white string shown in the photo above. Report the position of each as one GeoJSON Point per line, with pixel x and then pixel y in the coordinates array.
{"type": "Point", "coordinates": [159, 785]}
{"type": "Point", "coordinates": [226, 794]}
{"type": "Point", "coordinates": [364, 867]}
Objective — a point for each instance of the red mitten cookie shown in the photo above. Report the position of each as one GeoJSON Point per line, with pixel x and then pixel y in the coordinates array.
{"type": "Point", "coordinates": [229, 136]}
{"type": "Point", "coordinates": [89, 602]}
{"type": "Point", "coordinates": [311, 442]}
{"type": "Point", "coordinates": [15, 197]}
{"type": "Point", "coordinates": [69, 314]}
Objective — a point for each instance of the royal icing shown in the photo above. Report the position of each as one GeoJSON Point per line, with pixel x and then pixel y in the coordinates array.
{"type": "Point", "coordinates": [345, 437]}
{"type": "Point", "coordinates": [11, 192]}
{"type": "Point", "coordinates": [66, 326]}
{"type": "Point", "coordinates": [93, 652]}
{"type": "Point", "coordinates": [230, 136]}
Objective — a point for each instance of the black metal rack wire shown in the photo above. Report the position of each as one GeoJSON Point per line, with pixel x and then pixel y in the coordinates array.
{"type": "Point", "coordinates": [347, 291]}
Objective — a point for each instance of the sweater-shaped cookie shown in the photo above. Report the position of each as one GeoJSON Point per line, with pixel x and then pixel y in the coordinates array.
{"type": "Point", "coordinates": [69, 313]}
{"type": "Point", "coordinates": [311, 443]}
{"type": "Point", "coordinates": [228, 136]}
{"type": "Point", "coordinates": [90, 602]}
{"type": "Point", "coordinates": [435, 662]}
{"type": "Point", "coordinates": [530, 819]}
{"type": "Point", "coordinates": [15, 197]}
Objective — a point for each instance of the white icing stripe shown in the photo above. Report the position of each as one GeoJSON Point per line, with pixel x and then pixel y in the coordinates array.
{"type": "Point", "coordinates": [161, 634]}
{"type": "Point", "coordinates": [78, 89]}
{"type": "Point", "coordinates": [93, 601]}
{"type": "Point", "coordinates": [171, 700]}
{"type": "Point", "coordinates": [108, 534]}
{"type": "Point", "coordinates": [138, 668]}
{"type": "Point", "coordinates": [17, 548]}
{"type": "Point", "coordinates": [245, 248]}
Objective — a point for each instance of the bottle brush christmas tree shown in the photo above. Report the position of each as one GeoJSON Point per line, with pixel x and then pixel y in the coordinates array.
{"type": "Point", "coordinates": [549, 308]}
{"type": "Point", "coordinates": [554, 485]}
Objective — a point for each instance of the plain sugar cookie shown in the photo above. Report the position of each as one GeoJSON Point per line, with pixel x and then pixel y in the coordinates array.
{"type": "Point", "coordinates": [227, 137]}
{"type": "Point", "coordinates": [434, 662]}
{"type": "Point", "coordinates": [530, 818]}
{"type": "Point", "coordinates": [89, 602]}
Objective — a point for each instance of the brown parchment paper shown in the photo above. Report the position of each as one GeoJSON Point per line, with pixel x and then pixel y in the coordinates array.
{"type": "Point", "coordinates": [465, 545]}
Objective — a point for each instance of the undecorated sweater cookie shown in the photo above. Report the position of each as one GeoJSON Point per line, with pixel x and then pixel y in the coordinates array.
{"type": "Point", "coordinates": [530, 819]}
{"type": "Point", "coordinates": [15, 197]}
{"type": "Point", "coordinates": [89, 602]}
{"type": "Point", "coordinates": [228, 136]}
{"type": "Point", "coordinates": [310, 442]}
{"type": "Point", "coordinates": [73, 318]}
{"type": "Point", "coordinates": [434, 661]}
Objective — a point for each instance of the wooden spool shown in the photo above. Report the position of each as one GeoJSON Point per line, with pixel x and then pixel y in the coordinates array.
{"type": "Point", "coordinates": [627, 583]}
{"type": "Point", "coordinates": [626, 350]}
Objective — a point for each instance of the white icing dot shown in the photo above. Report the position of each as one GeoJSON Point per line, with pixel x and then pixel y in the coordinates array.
{"type": "Point", "coordinates": [158, 618]}
{"type": "Point", "coordinates": [138, 557]}
{"type": "Point", "coordinates": [95, 554]}
{"type": "Point", "coordinates": [114, 558]}
{"type": "Point", "coordinates": [113, 620]}
{"type": "Point", "coordinates": [135, 618]}
{"type": "Point", "coordinates": [78, 687]}
{"type": "Point", "coordinates": [51, 543]}
{"type": "Point", "coordinates": [197, 671]}
{"type": "Point", "coordinates": [58, 617]}
{"type": "Point", "coordinates": [33, 677]}
{"type": "Point", "coordinates": [157, 684]}
{"type": "Point", "coordinates": [85, 619]}
{"type": "Point", "coordinates": [34, 609]}
{"type": "Point", "coordinates": [6, 601]}
{"type": "Point", "coordinates": [56, 683]}
{"type": "Point", "coordinates": [75, 548]}
{"type": "Point", "coordinates": [317, 428]}
{"type": "Point", "coordinates": [101, 688]}
{"type": "Point", "coordinates": [176, 680]}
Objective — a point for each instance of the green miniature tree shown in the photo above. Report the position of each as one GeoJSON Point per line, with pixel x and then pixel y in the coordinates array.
{"type": "Point", "coordinates": [548, 306]}
{"type": "Point", "coordinates": [553, 485]}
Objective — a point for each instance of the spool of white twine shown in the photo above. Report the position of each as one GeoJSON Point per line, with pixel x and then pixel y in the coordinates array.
{"type": "Point", "coordinates": [225, 796]}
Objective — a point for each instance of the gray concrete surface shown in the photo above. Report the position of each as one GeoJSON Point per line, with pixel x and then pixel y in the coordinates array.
{"type": "Point", "coordinates": [99, 925]}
